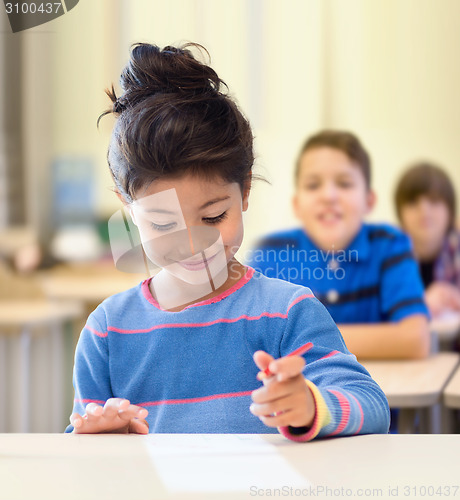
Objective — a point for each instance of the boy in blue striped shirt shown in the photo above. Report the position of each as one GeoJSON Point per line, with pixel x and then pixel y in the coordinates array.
{"type": "Point", "coordinates": [365, 274]}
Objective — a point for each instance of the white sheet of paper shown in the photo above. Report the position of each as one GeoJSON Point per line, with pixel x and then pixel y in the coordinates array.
{"type": "Point", "coordinates": [220, 462]}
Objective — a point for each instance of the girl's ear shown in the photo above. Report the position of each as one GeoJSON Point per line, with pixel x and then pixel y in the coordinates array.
{"type": "Point", "coordinates": [246, 191]}
{"type": "Point", "coordinates": [120, 197]}
{"type": "Point", "coordinates": [127, 206]}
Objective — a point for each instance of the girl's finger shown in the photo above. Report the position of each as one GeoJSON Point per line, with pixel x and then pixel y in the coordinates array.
{"type": "Point", "coordinates": [287, 367]}
{"type": "Point", "coordinates": [133, 411]}
{"type": "Point", "coordinates": [138, 426]}
{"type": "Point", "coordinates": [262, 359]}
{"type": "Point", "coordinates": [277, 420]}
{"type": "Point", "coordinates": [278, 406]}
{"type": "Point", "coordinates": [114, 405]}
{"type": "Point", "coordinates": [76, 420]}
{"type": "Point", "coordinates": [93, 411]}
{"type": "Point", "coordinates": [271, 391]}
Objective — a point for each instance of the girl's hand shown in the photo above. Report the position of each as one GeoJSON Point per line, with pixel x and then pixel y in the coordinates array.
{"type": "Point", "coordinates": [441, 296]}
{"type": "Point", "coordinates": [285, 398]}
{"type": "Point", "coordinates": [116, 416]}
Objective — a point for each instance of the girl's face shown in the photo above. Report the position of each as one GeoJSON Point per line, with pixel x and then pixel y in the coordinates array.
{"type": "Point", "coordinates": [191, 226]}
{"type": "Point", "coordinates": [426, 220]}
{"type": "Point", "coordinates": [332, 198]}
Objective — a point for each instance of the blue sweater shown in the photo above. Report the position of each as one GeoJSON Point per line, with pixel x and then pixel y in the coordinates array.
{"type": "Point", "coordinates": [193, 369]}
{"type": "Point", "coordinates": [374, 280]}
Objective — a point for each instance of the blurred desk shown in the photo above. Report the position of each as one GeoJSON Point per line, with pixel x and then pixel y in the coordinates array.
{"type": "Point", "coordinates": [14, 238]}
{"type": "Point", "coordinates": [155, 467]}
{"type": "Point", "coordinates": [88, 283]}
{"type": "Point", "coordinates": [22, 320]}
{"type": "Point", "coordinates": [28, 313]}
{"type": "Point", "coordinates": [446, 327]}
{"type": "Point", "coordinates": [415, 385]}
{"type": "Point", "coordinates": [452, 391]}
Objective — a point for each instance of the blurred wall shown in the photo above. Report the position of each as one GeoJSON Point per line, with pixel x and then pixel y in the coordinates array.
{"type": "Point", "coordinates": [393, 74]}
{"type": "Point", "coordinates": [389, 71]}
{"type": "Point", "coordinates": [12, 205]}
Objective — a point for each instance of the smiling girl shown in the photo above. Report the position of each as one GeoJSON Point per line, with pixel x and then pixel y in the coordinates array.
{"type": "Point", "coordinates": [182, 351]}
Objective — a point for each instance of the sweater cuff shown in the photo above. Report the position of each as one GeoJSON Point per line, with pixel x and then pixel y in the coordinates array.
{"type": "Point", "coordinates": [322, 418]}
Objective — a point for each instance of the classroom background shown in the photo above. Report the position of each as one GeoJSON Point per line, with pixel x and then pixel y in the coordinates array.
{"type": "Point", "coordinates": [387, 71]}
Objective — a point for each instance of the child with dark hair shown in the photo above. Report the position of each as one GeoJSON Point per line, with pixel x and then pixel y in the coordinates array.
{"type": "Point", "coordinates": [365, 274]}
{"type": "Point", "coordinates": [184, 351]}
{"type": "Point", "coordinates": [426, 207]}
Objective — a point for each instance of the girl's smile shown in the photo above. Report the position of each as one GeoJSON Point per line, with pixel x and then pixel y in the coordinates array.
{"type": "Point", "coordinates": [192, 227]}
{"type": "Point", "coordinates": [196, 264]}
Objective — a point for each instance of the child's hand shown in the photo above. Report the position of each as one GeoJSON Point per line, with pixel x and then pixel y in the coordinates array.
{"type": "Point", "coordinates": [116, 416]}
{"type": "Point", "coordinates": [285, 398]}
{"type": "Point", "coordinates": [441, 296]}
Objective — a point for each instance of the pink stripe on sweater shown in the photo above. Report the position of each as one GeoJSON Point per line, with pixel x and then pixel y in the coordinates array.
{"type": "Point", "coordinates": [92, 330]}
{"type": "Point", "coordinates": [362, 415]}
{"type": "Point", "coordinates": [195, 400]}
{"type": "Point", "coordinates": [345, 406]}
{"type": "Point", "coordinates": [245, 279]}
{"type": "Point", "coordinates": [197, 325]}
{"type": "Point", "coordinates": [332, 353]}
{"type": "Point", "coordinates": [214, 322]}
{"type": "Point", "coordinates": [300, 298]}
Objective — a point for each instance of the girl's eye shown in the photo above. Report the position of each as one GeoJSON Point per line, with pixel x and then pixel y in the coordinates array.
{"type": "Point", "coordinates": [345, 184]}
{"type": "Point", "coordinates": [163, 227]}
{"type": "Point", "coordinates": [215, 220]}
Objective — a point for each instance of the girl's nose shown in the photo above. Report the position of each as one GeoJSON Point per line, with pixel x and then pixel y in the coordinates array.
{"type": "Point", "coordinates": [192, 240]}
{"type": "Point", "coordinates": [184, 243]}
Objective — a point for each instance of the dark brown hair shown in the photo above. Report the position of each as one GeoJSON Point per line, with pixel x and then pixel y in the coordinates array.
{"type": "Point", "coordinates": [174, 118]}
{"type": "Point", "coordinates": [343, 141]}
{"type": "Point", "coordinates": [426, 179]}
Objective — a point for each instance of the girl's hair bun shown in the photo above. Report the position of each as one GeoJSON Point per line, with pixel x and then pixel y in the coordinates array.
{"type": "Point", "coordinates": [152, 71]}
{"type": "Point", "coordinates": [172, 119]}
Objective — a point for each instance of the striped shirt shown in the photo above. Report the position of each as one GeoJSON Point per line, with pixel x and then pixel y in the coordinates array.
{"type": "Point", "coordinates": [447, 265]}
{"type": "Point", "coordinates": [376, 279]}
{"type": "Point", "coordinates": [193, 369]}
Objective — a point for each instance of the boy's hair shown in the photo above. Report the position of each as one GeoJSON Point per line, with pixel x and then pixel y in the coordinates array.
{"type": "Point", "coordinates": [173, 118]}
{"type": "Point", "coordinates": [343, 141]}
{"type": "Point", "coordinates": [426, 179]}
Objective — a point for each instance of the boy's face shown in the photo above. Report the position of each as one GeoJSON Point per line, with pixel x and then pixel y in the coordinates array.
{"type": "Point", "coordinates": [190, 226]}
{"type": "Point", "coordinates": [426, 220]}
{"type": "Point", "coordinates": [331, 198]}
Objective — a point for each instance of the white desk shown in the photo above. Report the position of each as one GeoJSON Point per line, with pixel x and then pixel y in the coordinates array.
{"type": "Point", "coordinates": [414, 385]}
{"type": "Point", "coordinates": [71, 467]}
